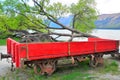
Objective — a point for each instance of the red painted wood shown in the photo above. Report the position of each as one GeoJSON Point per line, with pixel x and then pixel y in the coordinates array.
{"type": "Point", "coordinates": [47, 50]}
{"type": "Point", "coordinates": [81, 48]}
{"type": "Point", "coordinates": [96, 39]}
{"type": "Point", "coordinates": [103, 46]}
{"type": "Point", "coordinates": [9, 45]}
{"type": "Point", "coordinates": [35, 51]}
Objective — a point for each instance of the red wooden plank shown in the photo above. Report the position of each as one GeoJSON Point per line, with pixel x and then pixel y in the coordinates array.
{"type": "Point", "coordinates": [13, 43]}
{"type": "Point", "coordinates": [9, 45]}
{"type": "Point", "coordinates": [17, 56]}
{"type": "Point", "coordinates": [96, 39]}
{"type": "Point", "coordinates": [47, 50]}
{"type": "Point", "coordinates": [20, 53]}
{"type": "Point", "coordinates": [81, 48]}
{"type": "Point", "coordinates": [103, 46]}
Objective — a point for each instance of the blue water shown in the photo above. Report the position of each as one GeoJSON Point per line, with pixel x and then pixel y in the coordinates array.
{"type": "Point", "coordinates": [107, 33]}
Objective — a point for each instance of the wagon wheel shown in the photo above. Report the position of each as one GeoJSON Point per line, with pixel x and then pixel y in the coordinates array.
{"type": "Point", "coordinates": [37, 69]}
{"type": "Point", "coordinates": [81, 58]}
{"type": "Point", "coordinates": [100, 59]}
{"type": "Point", "coordinates": [45, 67]}
{"type": "Point", "coordinates": [50, 67]}
{"type": "Point", "coordinates": [93, 62]}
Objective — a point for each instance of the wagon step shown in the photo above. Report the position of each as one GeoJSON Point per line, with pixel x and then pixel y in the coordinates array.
{"type": "Point", "coordinates": [3, 56]}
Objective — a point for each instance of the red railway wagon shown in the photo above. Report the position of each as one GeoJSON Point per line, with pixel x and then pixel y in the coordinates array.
{"type": "Point", "coordinates": [45, 55]}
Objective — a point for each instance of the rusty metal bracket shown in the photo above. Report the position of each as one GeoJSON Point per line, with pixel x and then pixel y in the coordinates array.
{"type": "Point", "coordinates": [69, 48]}
{"type": "Point", "coordinates": [73, 60]}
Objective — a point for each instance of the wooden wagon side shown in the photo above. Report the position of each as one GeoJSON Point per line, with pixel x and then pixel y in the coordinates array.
{"type": "Point", "coordinates": [45, 55]}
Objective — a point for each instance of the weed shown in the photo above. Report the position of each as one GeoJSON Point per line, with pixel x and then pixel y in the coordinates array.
{"type": "Point", "coordinates": [110, 67]}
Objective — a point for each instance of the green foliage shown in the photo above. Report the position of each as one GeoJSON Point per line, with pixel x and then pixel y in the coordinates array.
{"type": "Point", "coordinates": [19, 15]}
{"type": "Point", "coordinates": [58, 10]}
{"type": "Point", "coordinates": [110, 67]}
{"type": "Point", "coordinates": [15, 15]}
{"type": "Point", "coordinates": [10, 23]}
{"type": "Point", "coordinates": [85, 14]}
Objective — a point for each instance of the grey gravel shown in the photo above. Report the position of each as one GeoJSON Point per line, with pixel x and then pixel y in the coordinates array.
{"type": "Point", "coordinates": [4, 65]}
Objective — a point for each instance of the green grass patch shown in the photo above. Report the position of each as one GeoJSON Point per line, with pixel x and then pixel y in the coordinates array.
{"type": "Point", "coordinates": [29, 75]}
{"type": "Point", "coordinates": [113, 66]}
{"type": "Point", "coordinates": [3, 41]}
{"type": "Point", "coordinates": [77, 76]}
{"type": "Point", "coordinates": [110, 67]}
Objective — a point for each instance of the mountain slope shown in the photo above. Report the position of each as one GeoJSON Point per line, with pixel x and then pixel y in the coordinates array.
{"type": "Point", "coordinates": [104, 21]}
{"type": "Point", "coordinates": [108, 21]}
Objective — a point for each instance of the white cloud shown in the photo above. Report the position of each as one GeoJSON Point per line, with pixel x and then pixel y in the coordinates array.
{"type": "Point", "coordinates": [108, 6]}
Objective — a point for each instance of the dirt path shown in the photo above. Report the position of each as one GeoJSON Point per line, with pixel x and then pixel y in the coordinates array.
{"type": "Point", "coordinates": [4, 65]}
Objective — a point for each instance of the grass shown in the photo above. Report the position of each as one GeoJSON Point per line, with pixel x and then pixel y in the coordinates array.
{"type": "Point", "coordinates": [111, 67]}
{"type": "Point", "coordinates": [79, 72]}
{"type": "Point", "coordinates": [3, 41]}
{"type": "Point", "coordinates": [74, 75]}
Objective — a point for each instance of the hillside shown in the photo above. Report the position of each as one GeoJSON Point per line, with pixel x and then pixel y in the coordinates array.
{"type": "Point", "coordinates": [104, 21]}
{"type": "Point", "coordinates": [108, 21]}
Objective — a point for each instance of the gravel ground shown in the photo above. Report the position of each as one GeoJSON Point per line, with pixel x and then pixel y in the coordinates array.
{"type": "Point", "coordinates": [4, 65]}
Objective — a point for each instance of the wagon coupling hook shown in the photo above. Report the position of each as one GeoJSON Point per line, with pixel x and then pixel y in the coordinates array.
{"type": "Point", "coordinates": [3, 56]}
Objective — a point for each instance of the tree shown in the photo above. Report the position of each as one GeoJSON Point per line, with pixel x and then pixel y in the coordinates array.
{"type": "Point", "coordinates": [43, 12]}
{"type": "Point", "coordinates": [84, 13]}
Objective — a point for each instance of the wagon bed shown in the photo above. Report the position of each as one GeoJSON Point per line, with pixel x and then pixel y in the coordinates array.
{"type": "Point", "coordinates": [53, 50]}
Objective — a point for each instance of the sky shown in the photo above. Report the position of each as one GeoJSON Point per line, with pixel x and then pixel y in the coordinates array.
{"type": "Point", "coordinates": [103, 6]}
{"type": "Point", "coordinates": [108, 6]}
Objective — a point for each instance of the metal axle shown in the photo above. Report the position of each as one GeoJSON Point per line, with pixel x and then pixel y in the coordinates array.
{"type": "Point", "coordinates": [3, 56]}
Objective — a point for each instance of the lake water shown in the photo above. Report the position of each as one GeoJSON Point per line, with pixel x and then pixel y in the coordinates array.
{"type": "Point", "coordinates": [107, 33]}
{"type": "Point", "coordinates": [102, 33]}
